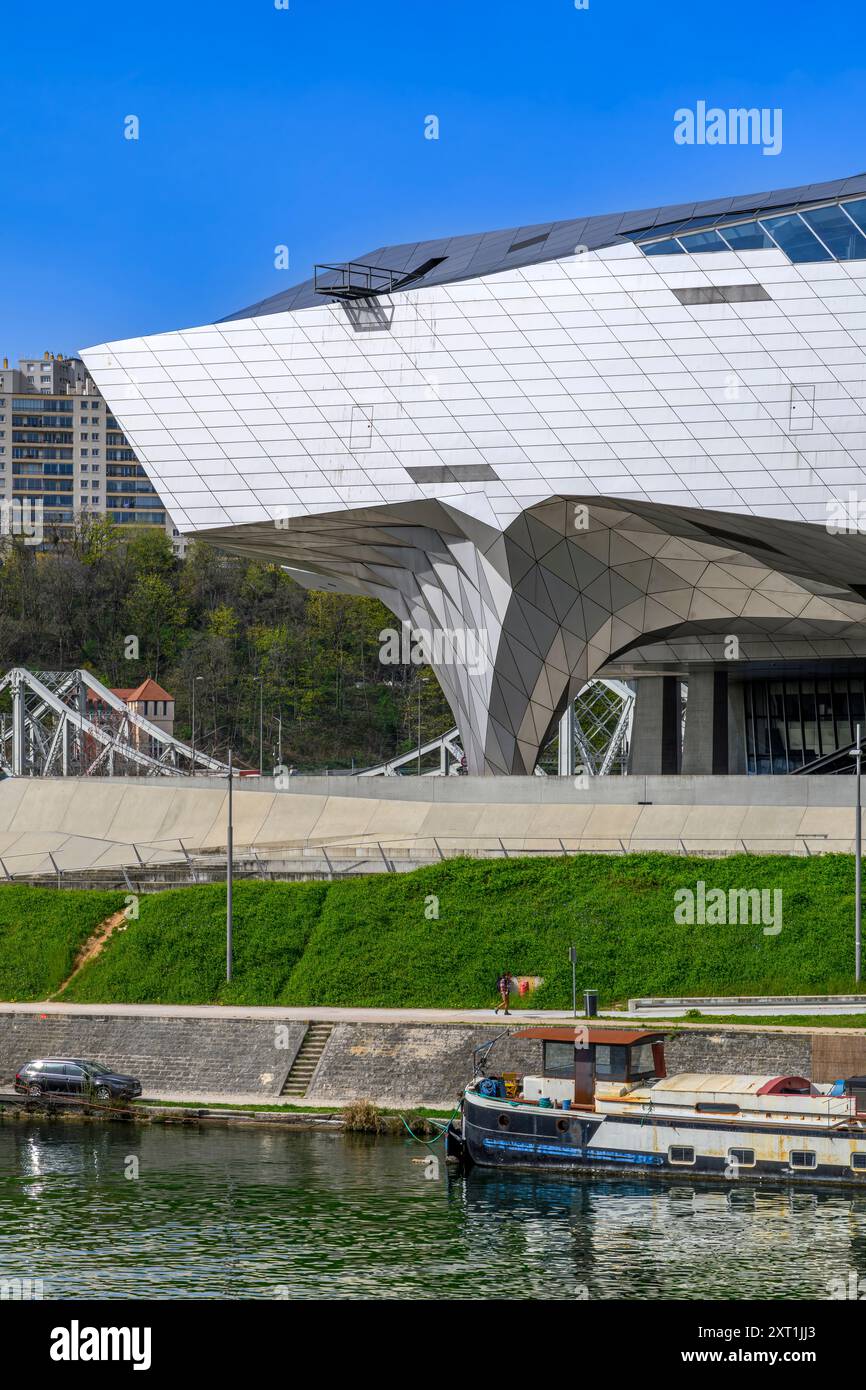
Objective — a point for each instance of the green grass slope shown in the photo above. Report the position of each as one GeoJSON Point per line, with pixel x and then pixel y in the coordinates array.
{"type": "Point", "coordinates": [440, 936]}
{"type": "Point", "coordinates": [375, 945]}
{"type": "Point", "coordinates": [174, 952]}
{"type": "Point", "coordinates": [41, 932]}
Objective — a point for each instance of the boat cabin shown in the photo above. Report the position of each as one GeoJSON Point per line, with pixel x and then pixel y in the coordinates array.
{"type": "Point", "coordinates": [576, 1059]}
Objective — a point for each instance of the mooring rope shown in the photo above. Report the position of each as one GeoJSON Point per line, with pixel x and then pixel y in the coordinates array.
{"type": "Point", "coordinates": [428, 1143]}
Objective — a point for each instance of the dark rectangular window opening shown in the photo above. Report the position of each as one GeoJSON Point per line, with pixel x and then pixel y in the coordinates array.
{"type": "Point", "coordinates": [803, 1158]}
{"type": "Point", "coordinates": [559, 1059]}
{"type": "Point", "coordinates": [611, 1062]}
{"type": "Point", "coordinates": [678, 1153]}
{"type": "Point", "coordinates": [457, 473]}
{"type": "Point", "coordinates": [530, 241]}
{"type": "Point", "coordinates": [423, 269]}
{"type": "Point", "coordinates": [744, 1158]}
{"type": "Point", "coordinates": [721, 294]}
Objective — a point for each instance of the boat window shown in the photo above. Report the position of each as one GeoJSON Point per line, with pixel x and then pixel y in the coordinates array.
{"type": "Point", "coordinates": [642, 1061]}
{"type": "Point", "coordinates": [611, 1061]}
{"type": "Point", "coordinates": [678, 1153]}
{"type": "Point", "coordinates": [803, 1158]}
{"type": "Point", "coordinates": [505, 1121]}
{"type": "Point", "coordinates": [559, 1059]}
{"type": "Point", "coordinates": [858, 1161]}
{"type": "Point", "coordinates": [713, 1107]}
{"type": "Point", "coordinates": [744, 1158]}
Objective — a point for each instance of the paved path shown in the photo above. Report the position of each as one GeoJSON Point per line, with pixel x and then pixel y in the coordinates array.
{"type": "Point", "coordinates": [322, 1013]}
{"type": "Point", "coordinates": [753, 1009]}
{"type": "Point", "coordinates": [756, 1010]}
{"type": "Point", "coordinates": [220, 1099]}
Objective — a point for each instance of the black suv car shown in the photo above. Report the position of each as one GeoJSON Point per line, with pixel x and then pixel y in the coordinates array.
{"type": "Point", "coordinates": [70, 1076]}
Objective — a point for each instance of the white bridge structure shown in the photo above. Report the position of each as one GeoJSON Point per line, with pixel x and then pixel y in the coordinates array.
{"type": "Point", "coordinates": [51, 733]}
{"type": "Point", "coordinates": [594, 738]}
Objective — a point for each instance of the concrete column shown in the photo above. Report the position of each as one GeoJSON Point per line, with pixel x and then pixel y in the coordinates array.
{"type": "Point", "coordinates": [736, 728]}
{"type": "Point", "coordinates": [698, 742]}
{"type": "Point", "coordinates": [714, 742]}
{"type": "Point", "coordinates": [655, 733]}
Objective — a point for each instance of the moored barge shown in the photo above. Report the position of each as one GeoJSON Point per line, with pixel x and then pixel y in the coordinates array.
{"type": "Point", "coordinates": [603, 1103]}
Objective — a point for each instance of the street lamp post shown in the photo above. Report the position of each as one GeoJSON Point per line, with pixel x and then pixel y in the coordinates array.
{"type": "Point", "coordinates": [259, 681]}
{"type": "Point", "coordinates": [858, 863]}
{"type": "Point", "coordinates": [421, 682]}
{"type": "Point", "coordinates": [229, 867]}
{"type": "Point", "coordinates": [192, 764]}
{"type": "Point", "coordinates": [261, 726]}
{"type": "Point", "coordinates": [572, 956]}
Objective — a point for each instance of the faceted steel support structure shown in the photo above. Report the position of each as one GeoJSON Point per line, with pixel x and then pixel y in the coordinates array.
{"type": "Point", "coordinates": [622, 446]}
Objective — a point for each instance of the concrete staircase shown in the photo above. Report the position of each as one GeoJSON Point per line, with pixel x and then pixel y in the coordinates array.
{"type": "Point", "coordinates": [300, 1075]}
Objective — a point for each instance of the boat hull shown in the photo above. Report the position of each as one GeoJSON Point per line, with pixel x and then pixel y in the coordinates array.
{"type": "Point", "coordinates": [502, 1134]}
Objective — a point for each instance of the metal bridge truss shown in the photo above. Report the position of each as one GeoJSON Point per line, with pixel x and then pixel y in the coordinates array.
{"type": "Point", "coordinates": [594, 735]}
{"type": "Point", "coordinates": [50, 733]}
{"type": "Point", "coordinates": [450, 759]}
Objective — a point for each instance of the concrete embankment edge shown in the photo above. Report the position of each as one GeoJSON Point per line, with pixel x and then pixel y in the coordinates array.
{"type": "Point", "coordinates": [394, 1064]}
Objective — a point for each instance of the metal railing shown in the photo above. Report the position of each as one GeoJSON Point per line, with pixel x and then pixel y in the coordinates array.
{"type": "Point", "coordinates": [356, 280]}
{"type": "Point", "coordinates": [155, 866]}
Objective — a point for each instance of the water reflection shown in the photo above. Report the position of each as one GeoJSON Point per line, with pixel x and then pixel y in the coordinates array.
{"type": "Point", "coordinates": [266, 1214]}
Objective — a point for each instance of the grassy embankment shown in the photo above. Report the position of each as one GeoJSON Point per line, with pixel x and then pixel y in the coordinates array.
{"type": "Point", "coordinates": [439, 937]}
{"type": "Point", "coordinates": [41, 933]}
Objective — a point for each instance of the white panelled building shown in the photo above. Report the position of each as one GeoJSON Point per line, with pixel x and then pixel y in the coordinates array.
{"type": "Point", "coordinates": [630, 446]}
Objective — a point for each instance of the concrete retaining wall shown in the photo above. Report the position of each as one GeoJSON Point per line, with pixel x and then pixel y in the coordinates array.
{"type": "Point", "coordinates": [409, 1063]}
{"type": "Point", "coordinates": [424, 815]}
{"type": "Point", "coordinates": [402, 1064]}
{"type": "Point", "coordinates": [393, 1064]}
{"type": "Point", "coordinates": [189, 1055]}
{"type": "Point", "coordinates": [710, 1051]}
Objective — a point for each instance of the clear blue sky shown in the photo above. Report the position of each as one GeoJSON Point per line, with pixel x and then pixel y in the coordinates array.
{"type": "Point", "coordinates": [262, 127]}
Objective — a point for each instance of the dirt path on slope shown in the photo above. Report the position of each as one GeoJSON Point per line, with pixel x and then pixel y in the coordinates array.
{"type": "Point", "coordinates": [93, 947]}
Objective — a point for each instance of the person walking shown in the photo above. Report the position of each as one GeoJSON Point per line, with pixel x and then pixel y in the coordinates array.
{"type": "Point", "coordinates": [503, 984]}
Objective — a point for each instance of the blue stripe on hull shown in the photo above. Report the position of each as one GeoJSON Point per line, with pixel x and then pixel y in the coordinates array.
{"type": "Point", "coordinates": [572, 1153]}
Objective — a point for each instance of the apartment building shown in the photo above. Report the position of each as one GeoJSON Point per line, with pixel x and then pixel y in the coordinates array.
{"type": "Point", "coordinates": [60, 443]}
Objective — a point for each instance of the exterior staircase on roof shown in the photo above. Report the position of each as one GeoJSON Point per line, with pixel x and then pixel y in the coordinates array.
{"type": "Point", "coordinates": [297, 1083]}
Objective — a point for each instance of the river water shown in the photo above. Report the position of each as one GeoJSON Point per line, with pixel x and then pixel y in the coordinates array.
{"type": "Point", "coordinates": [121, 1212]}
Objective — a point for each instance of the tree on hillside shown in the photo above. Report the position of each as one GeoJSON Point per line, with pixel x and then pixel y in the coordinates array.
{"type": "Point", "coordinates": [217, 623]}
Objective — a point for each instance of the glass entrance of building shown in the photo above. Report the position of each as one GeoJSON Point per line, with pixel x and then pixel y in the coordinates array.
{"type": "Point", "coordinates": [791, 723]}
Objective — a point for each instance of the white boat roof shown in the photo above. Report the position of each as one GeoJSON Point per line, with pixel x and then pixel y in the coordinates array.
{"type": "Point", "coordinates": [719, 1081]}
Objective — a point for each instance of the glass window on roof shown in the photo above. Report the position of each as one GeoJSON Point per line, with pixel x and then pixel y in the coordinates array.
{"type": "Point", "coordinates": [857, 210]}
{"type": "Point", "coordinates": [668, 247]}
{"type": "Point", "coordinates": [702, 241]}
{"type": "Point", "coordinates": [795, 238]}
{"type": "Point", "coordinates": [838, 232]}
{"type": "Point", "coordinates": [747, 236]}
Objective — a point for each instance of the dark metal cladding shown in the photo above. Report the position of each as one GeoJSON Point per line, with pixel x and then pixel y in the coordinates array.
{"type": "Point", "coordinates": [484, 253]}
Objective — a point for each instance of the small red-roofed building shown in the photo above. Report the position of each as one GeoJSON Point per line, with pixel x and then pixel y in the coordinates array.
{"type": "Point", "coordinates": [148, 699]}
